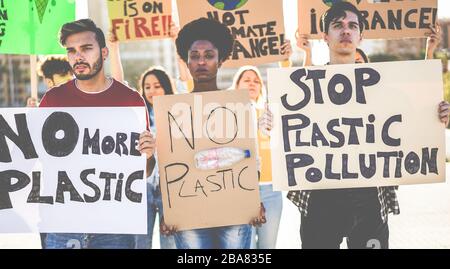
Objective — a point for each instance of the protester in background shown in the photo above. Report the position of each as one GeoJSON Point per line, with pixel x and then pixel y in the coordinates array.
{"type": "Point", "coordinates": [361, 57]}
{"type": "Point", "coordinates": [264, 237]}
{"type": "Point", "coordinates": [55, 71]}
{"type": "Point", "coordinates": [154, 82]}
{"type": "Point", "coordinates": [86, 51]}
{"type": "Point", "coordinates": [249, 78]}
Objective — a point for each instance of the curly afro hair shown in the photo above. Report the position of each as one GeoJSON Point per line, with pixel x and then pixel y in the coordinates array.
{"type": "Point", "coordinates": [205, 29]}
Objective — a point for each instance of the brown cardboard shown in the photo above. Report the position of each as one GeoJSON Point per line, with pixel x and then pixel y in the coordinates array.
{"type": "Point", "coordinates": [412, 89]}
{"type": "Point", "coordinates": [376, 13]}
{"type": "Point", "coordinates": [252, 13]}
{"type": "Point", "coordinates": [199, 199]}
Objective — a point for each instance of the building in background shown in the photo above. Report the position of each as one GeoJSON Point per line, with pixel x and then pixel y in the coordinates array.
{"type": "Point", "coordinates": [445, 27]}
{"type": "Point", "coordinates": [14, 80]}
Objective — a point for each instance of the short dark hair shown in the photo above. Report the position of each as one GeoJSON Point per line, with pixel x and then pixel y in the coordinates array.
{"type": "Point", "coordinates": [205, 29]}
{"type": "Point", "coordinates": [162, 77]}
{"type": "Point", "coordinates": [363, 54]}
{"type": "Point", "coordinates": [84, 25]}
{"type": "Point", "coordinates": [337, 11]}
{"type": "Point", "coordinates": [54, 66]}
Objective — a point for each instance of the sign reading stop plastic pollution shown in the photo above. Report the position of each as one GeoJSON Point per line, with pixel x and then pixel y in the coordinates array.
{"type": "Point", "coordinates": [385, 20]}
{"type": "Point", "coordinates": [258, 36]}
{"type": "Point", "coordinates": [140, 19]}
{"type": "Point", "coordinates": [207, 159]}
{"type": "Point", "coordinates": [352, 126]}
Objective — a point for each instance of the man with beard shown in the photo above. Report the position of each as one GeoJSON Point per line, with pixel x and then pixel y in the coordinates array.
{"type": "Point", "coordinates": [86, 52]}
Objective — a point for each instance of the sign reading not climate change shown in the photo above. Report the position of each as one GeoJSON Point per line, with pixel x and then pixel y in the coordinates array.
{"type": "Point", "coordinates": [385, 20]}
{"type": "Point", "coordinates": [258, 36]}
{"type": "Point", "coordinates": [72, 170]}
{"type": "Point", "coordinates": [363, 125]}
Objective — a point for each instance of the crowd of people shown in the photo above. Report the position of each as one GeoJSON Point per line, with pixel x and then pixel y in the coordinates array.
{"type": "Point", "coordinates": [203, 45]}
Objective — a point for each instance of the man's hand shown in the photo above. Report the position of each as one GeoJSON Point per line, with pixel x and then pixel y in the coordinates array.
{"type": "Point", "coordinates": [147, 144]}
{"type": "Point", "coordinates": [261, 219]}
{"type": "Point", "coordinates": [174, 29]}
{"type": "Point", "coordinates": [31, 102]}
{"type": "Point", "coordinates": [265, 121]}
{"type": "Point", "coordinates": [433, 40]}
{"type": "Point", "coordinates": [303, 42]}
{"type": "Point", "coordinates": [112, 39]}
{"type": "Point", "coordinates": [286, 49]}
{"type": "Point", "coordinates": [165, 229]}
{"type": "Point", "coordinates": [444, 108]}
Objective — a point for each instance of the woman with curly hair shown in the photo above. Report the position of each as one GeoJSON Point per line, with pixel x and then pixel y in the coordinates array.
{"type": "Point", "coordinates": [204, 44]}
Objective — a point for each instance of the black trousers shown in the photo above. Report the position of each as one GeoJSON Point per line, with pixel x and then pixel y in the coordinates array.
{"type": "Point", "coordinates": [335, 214]}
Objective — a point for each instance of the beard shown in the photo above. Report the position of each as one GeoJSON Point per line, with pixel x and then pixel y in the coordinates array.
{"type": "Point", "coordinates": [98, 65]}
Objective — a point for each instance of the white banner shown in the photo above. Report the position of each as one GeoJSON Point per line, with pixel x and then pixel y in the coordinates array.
{"type": "Point", "coordinates": [72, 170]}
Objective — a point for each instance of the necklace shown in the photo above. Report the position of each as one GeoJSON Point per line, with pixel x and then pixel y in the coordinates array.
{"type": "Point", "coordinates": [109, 82]}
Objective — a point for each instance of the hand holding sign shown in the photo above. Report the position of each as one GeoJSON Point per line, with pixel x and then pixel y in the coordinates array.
{"type": "Point", "coordinates": [173, 30]}
{"type": "Point", "coordinates": [433, 40]}
{"type": "Point", "coordinates": [286, 49]}
{"type": "Point", "coordinates": [265, 121]}
{"type": "Point", "coordinates": [261, 219]}
{"type": "Point", "coordinates": [165, 229]}
{"type": "Point", "coordinates": [303, 42]}
{"type": "Point", "coordinates": [147, 144]}
{"type": "Point", "coordinates": [444, 107]}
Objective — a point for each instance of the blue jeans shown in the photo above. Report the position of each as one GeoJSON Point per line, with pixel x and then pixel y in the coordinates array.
{"type": "Point", "coordinates": [154, 206]}
{"type": "Point", "coordinates": [227, 237]}
{"type": "Point", "coordinates": [94, 241]}
{"type": "Point", "coordinates": [265, 237]}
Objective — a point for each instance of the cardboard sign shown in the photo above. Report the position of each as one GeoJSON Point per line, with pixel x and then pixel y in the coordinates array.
{"type": "Point", "coordinates": [140, 19]}
{"type": "Point", "coordinates": [32, 26]}
{"type": "Point", "coordinates": [258, 36]}
{"type": "Point", "coordinates": [363, 125]}
{"type": "Point", "coordinates": [72, 170]}
{"type": "Point", "coordinates": [219, 194]}
{"type": "Point", "coordinates": [384, 20]}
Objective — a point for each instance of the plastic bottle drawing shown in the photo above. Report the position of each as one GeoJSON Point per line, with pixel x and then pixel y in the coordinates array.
{"type": "Point", "coordinates": [219, 157]}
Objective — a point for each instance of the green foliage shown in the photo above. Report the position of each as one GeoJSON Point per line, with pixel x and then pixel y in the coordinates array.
{"type": "Point", "coordinates": [383, 57]}
{"type": "Point", "coordinates": [447, 87]}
